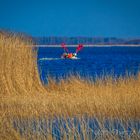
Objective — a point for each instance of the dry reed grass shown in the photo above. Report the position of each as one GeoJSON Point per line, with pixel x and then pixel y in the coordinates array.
{"type": "Point", "coordinates": [18, 72]}
{"type": "Point", "coordinates": [77, 97]}
{"type": "Point", "coordinates": [22, 94]}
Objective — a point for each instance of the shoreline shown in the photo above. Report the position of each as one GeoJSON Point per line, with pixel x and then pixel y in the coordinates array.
{"type": "Point", "coordinates": [98, 45]}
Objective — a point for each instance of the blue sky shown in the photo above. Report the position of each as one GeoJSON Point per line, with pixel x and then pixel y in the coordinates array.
{"type": "Point", "coordinates": [102, 18]}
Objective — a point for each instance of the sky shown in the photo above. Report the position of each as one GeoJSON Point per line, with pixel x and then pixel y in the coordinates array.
{"type": "Point", "coordinates": [96, 18]}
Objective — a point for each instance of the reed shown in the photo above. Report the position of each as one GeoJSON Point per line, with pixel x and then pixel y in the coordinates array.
{"type": "Point", "coordinates": [18, 71]}
{"type": "Point", "coordinates": [77, 97]}
{"type": "Point", "coordinates": [22, 94]}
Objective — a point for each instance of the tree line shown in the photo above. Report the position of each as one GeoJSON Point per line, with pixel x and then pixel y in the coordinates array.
{"type": "Point", "coordinates": [84, 40]}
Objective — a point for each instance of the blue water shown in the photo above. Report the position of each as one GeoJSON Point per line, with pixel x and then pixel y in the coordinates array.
{"type": "Point", "coordinates": [92, 62]}
{"type": "Point", "coordinates": [59, 127]}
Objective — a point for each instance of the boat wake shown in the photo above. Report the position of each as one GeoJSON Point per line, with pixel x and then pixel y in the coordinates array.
{"type": "Point", "coordinates": [42, 59]}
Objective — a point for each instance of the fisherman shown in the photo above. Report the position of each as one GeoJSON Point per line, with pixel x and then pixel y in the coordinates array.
{"type": "Point", "coordinates": [70, 55]}
{"type": "Point", "coordinates": [66, 54]}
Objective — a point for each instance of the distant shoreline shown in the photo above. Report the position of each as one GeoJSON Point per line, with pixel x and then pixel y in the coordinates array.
{"type": "Point", "coordinates": [115, 45]}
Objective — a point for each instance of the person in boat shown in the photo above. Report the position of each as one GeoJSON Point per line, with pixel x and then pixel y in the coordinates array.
{"type": "Point", "coordinates": [69, 55]}
{"type": "Point", "coordinates": [66, 54]}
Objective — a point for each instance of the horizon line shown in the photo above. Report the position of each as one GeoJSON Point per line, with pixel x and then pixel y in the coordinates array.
{"type": "Point", "coordinates": [90, 45]}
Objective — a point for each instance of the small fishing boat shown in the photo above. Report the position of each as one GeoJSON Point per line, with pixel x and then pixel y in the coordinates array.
{"type": "Point", "coordinates": [67, 55]}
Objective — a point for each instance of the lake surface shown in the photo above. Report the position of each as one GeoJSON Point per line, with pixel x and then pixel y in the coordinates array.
{"type": "Point", "coordinates": [78, 128]}
{"type": "Point", "coordinates": [92, 62]}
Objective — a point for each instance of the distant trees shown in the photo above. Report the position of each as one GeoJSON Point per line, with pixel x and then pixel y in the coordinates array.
{"type": "Point", "coordinates": [84, 40]}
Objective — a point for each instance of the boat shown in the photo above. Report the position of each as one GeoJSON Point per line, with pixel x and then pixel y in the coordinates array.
{"type": "Point", "coordinates": [67, 55]}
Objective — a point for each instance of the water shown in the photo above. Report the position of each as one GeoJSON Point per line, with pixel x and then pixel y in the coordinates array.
{"type": "Point", "coordinates": [92, 62]}
{"type": "Point", "coordinates": [78, 128]}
